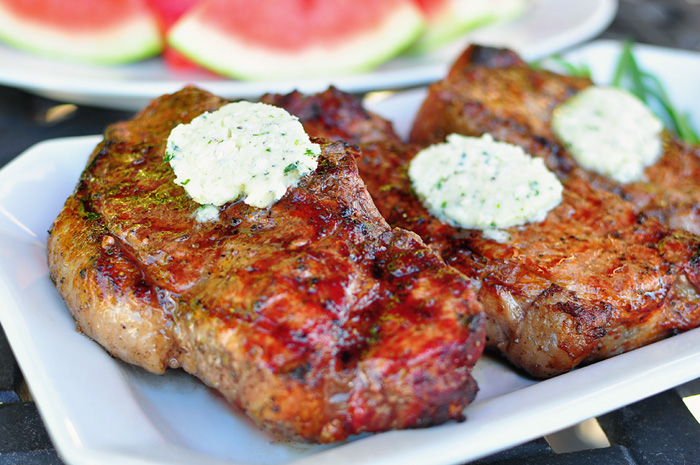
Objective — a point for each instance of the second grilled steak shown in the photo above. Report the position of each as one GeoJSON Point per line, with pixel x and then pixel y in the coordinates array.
{"type": "Point", "coordinates": [493, 90]}
{"type": "Point", "coordinates": [595, 279]}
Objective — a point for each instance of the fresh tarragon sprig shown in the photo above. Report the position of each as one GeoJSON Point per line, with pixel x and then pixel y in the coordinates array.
{"type": "Point", "coordinates": [646, 86]}
{"type": "Point", "coordinates": [649, 89]}
{"type": "Point", "coordinates": [568, 67]}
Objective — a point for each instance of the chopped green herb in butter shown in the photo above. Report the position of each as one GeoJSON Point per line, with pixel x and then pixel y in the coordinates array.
{"type": "Point", "coordinates": [249, 151]}
{"type": "Point", "coordinates": [609, 131]}
{"type": "Point", "coordinates": [478, 183]}
{"type": "Point", "coordinates": [207, 213]}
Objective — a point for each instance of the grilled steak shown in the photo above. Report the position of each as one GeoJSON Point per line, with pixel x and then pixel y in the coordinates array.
{"type": "Point", "coordinates": [595, 279]}
{"type": "Point", "coordinates": [313, 316]}
{"type": "Point", "coordinates": [494, 91]}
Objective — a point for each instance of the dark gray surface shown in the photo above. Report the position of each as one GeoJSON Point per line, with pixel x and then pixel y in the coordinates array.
{"type": "Point", "coordinates": [23, 439]}
{"type": "Point", "coordinates": [668, 23]}
{"type": "Point", "coordinates": [10, 376]}
{"type": "Point", "coordinates": [655, 430]}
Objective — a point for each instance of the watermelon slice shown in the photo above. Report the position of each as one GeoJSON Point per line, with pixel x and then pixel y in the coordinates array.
{"type": "Point", "coordinates": [92, 31]}
{"type": "Point", "coordinates": [261, 40]}
{"type": "Point", "coordinates": [178, 63]}
{"type": "Point", "coordinates": [168, 13]}
{"type": "Point", "coordinates": [447, 20]}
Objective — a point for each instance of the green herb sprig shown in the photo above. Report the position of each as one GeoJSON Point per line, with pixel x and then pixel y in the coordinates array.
{"type": "Point", "coordinates": [649, 89]}
{"type": "Point", "coordinates": [567, 67]}
{"type": "Point", "coordinates": [646, 86]}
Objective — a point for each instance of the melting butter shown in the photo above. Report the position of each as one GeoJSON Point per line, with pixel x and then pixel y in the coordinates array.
{"type": "Point", "coordinates": [479, 183]}
{"type": "Point", "coordinates": [609, 131]}
{"type": "Point", "coordinates": [248, 151]}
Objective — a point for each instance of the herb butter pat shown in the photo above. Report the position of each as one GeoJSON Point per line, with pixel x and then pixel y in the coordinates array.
{"type": "Point", "coordinates": [479, 183]}
{"type": "Point", "coordinates": [249, 151]}
{"type": "Point", "coordinates": [609, 131]}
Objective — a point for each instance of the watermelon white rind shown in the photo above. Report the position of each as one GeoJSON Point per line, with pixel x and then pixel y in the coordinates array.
{"type": "Point", "coordinates": [458, 17]}
{"type": "Point", "coordinates": [134, 38]}
{"type": "Point", "coordinates": [233, 55]}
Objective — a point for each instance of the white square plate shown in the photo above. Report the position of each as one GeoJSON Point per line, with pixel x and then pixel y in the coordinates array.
{"type": "Point", "coordinates": [99, 410]}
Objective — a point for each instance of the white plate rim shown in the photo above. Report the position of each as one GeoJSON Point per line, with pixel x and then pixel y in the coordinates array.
{"type": "Point", "coordinates": [121, 91]}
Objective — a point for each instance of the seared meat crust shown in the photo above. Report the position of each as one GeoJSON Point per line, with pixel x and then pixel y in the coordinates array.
{"type": "Point", "coordinates": [313, 316]}
{"type": "Point", "coordinates": [492, 90]}
{"type": "Point", "coordinates": [595, 279]}
{"type": "Point", "coordinates": [336, 116]}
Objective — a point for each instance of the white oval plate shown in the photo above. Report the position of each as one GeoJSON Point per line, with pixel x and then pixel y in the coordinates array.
{"type": "Point", "coordinates": [547, 27]}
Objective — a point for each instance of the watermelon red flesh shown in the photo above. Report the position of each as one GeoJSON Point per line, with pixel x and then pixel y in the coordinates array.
{"type": "Point", "coordinates": [169, 11]}
{"type": "Point", "coordinates": [430, 7]}
{"type": "Point", "coordinates": [295, 24]}
{"type": "Point", "coordinates": [77, 15]}
{"type": "Point", "coordinates": [92, 31]}
{"type": "Point", "coordinates": [295, 38]}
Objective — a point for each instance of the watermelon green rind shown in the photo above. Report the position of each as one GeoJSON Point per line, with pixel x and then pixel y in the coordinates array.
{"type": "Point", "coordinates": [234, 56]}
{"type": "Point", "coordinates": [459, 17]}
{"type": "Point", "coordinates": [135, 38]}
{"type": "Point", "coordinates": [446, 33]}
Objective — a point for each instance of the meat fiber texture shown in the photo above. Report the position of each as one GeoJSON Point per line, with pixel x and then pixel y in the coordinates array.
{"type": "Point", "coordinates": [597, 278]}
{"type": "Point", "coordinates": [313, 316]}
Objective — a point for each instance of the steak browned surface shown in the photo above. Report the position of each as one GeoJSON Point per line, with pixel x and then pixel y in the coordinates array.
{"type": "Point", "coordinates": [335, 115]}
{"type": "Point", "coordinates": [492, 90]}
{"type": "Point", "coordinates": [595, 279]}
{"type": "Point", "coordinates": [313, 316]}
